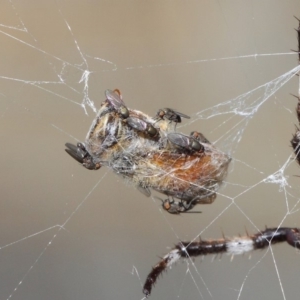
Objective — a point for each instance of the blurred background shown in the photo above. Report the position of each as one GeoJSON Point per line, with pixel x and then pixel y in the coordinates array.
{"type": "Point", "coordinates": [70, 233]}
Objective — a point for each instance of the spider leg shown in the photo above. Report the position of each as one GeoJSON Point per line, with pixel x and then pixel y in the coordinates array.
{"type": "Point", "coordinates": [234, 246]}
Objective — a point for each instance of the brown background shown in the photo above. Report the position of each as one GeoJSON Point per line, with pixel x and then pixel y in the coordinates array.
{"type": "Point", "coordinates": [158, 53]}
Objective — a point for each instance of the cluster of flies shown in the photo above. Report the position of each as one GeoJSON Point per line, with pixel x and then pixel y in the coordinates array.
{"type": "Point", "coordinates": [149, 153]}
{"type": "Point", "coordinates": [186, 143]}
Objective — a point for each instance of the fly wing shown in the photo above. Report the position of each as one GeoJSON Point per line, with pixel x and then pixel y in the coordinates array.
{"type": "Point", "coordinates": [75, 152]}
{"type": "Point", "coordinates": [114, 98]}
{"type": "Point", "coordinates": [181, 114]}
{"type": "Point", "coordinates": [179, 140]}
{"type": "Point", "coordinates": [144, 190]}
{"type": "Point", "coordinates": [137, 123]}
{"type": "Point", "coordinates": [177, 113]}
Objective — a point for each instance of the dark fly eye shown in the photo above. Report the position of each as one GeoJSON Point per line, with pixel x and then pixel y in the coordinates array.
{"type": "Point", "coordinates": [170, 206]}
{"type": "Point", "coordinates": [160, 113]}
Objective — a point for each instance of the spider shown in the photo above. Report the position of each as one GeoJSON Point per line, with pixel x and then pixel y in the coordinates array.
{"type": "Point", "coordinates": [236, 245]}
{"type": "Point", "coordinates": [295, 142]}
{"type": "Point", "coordinates": [150, 155]}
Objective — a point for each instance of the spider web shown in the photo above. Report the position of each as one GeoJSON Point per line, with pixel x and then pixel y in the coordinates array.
{"type": "Point", "coordinates": [69, 233]}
